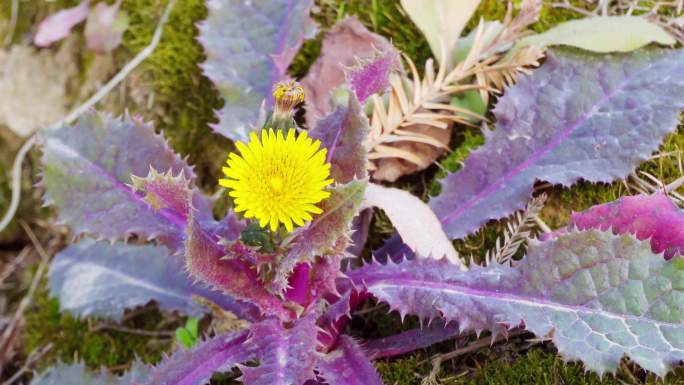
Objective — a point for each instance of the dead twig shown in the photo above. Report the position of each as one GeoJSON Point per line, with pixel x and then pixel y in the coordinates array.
{"type": "Point", "coordinates": [140, 332]}
{"type": "Point", "coordinates": [12, 327]}
{"type": "Point", "coordinates": [33, 357]}
{"type": "Point", "coordinates": [12, 267]}
{"type": "Point", "coordinates": [476, 345]}
{"type": "Point", "coordinates": [13, 23]}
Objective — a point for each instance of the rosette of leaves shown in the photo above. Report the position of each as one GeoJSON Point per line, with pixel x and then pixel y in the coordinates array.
{"type": "Point", "coordinates": [138, 188]}
{"type": "Point", "coordinates": [115, 179]}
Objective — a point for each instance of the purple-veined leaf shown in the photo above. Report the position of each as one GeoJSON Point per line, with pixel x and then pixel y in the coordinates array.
{"type": "Point", "coordinates": [327, 234]}
{"type": "Point", "coordinates": [196, 366]}
{"type": "Point", "coordinates": [58, 25]}
{"type": "Point", "coordinates": [224, 268]}
{"type": "Point", "coordinates": [597, 295]}
{"type": "Point", "coordinates": [326, 270]}
{"type": "Point", "coordinates": [99, 279]}
{"type": "Point", "coordinates": [578, 116]}
{"type": "Point", "coordinates": [411, 340]}
{"type": "Point", "coordinates": [360, 228]}
{"type": "Point", "coordinates": [86, 171]}
{"type": "Point", "coordinates": [229, 227]}
{"type": "Point", "coordinates": [249, 45]}
{"type": "Point", "coordinates": [287, 356]}
{"type": "Point", "coordinates": [371, 76]}
{"type": "Point", "coordinates": [342, 46]}
{"type": "Point", "coordinates": [342, 133]}
{"type": "Point", "coordinates": [335, 317]}
{"type": "Point", "coordinates": [415, 222]}
{"type": "Point", "coordinates": [105, 27]}
{"type": "Point", "coordinates": [78, 374]}
{"type": "Point", "coordinates": [164, 191]}
{"type": "Point", "coordinates": [311, 283]}
{"type": "Point", "coordinates": [347, 365]}
{"type": "Point", "coordinates": [649, 217]}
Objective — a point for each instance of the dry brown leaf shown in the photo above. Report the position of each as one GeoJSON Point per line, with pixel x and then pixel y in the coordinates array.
{"type": "Point", "coordinates": [34, 85]}
{"type": "Point", "coordinates": [348, 41]}
{"type": "Point", "coordinates": [390, 169]}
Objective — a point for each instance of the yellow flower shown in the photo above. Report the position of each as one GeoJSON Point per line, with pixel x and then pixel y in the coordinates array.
{"type": "Point", "coordinates": [277, 179]}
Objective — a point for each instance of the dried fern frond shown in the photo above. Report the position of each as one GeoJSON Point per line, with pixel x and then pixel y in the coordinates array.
{"type": "Point", "coordinates": [422, 101]}
{"type": "Point", "coordinates": [426, 102]}
{"type": "Point", "coordinates": [517, 231]}
{"type": "Point", "coordinates": [505, 72]}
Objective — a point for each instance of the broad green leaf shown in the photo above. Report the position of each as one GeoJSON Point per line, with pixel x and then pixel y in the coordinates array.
{"type": "Point", "coordinates": [603, 34]}
{"type": "Point", "coordinates": [441, 21]}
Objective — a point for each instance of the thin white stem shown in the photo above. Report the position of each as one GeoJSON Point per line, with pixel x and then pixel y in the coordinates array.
{"type": "Point", "coordinates": [80, 110]}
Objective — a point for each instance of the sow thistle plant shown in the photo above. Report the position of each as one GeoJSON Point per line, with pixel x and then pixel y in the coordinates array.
{"type": "Point", "coordinates": [608, 286]}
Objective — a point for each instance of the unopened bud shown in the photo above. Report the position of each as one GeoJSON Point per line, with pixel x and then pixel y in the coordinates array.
{"type": "Point", "coordinates": [288, 94]}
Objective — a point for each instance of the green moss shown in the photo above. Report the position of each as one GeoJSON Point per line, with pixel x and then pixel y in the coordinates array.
{"type": "Point", "coordinates": [73, 339]}
{"type": "Point", "coordinates": [404, 371]}
{"type": "Point", "coordinates": [469, 140]}
{"type": "Point", "coordinates": [183, 99]}
{"type": "Point", "coordinates": [535, 367]}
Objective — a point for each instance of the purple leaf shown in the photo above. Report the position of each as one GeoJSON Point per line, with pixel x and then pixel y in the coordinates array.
{"type": "Point", "coordinates": [326, 270]}
{"type": "Point", "coordinates": [415, 222]}
{"type": "Point", "coordinates": [287, 356]}
{"type": "Point", "coordinates": [649, 217]}
{"type": "Point", "coordinates": [347, 365]}
{"type": "Point", "coordinates": [343, 133]}
{"type": "Point", "coordinates": [103, 280]}
{"type": "Point", "coordinates": [58, 25]}
{"type": "Point", "coordinates": [249, 45]}
{"type": "Point", "coordinates": [105, 27]}
{"type": "Point", "coordinates": [229, 228]}
{"type": "Point", "coordinates": [328, 234]}
{"type": "Point", "coordinates": [360, 228]}
{"type": "Point", "coordinates": [598, 296]}
{"type": "Point", "coordinates": [411, 340]}
{"type": "Point", "coordinates": [371, 76]}
{"type": "Point", "coordinates": [196, 366]}
{"type": "Point", "coordinates": [87, 169]}
{"type": "Point", "coordinates": [166, 192]}
{"type": "Point", "coordinates": [579, 116]}
{"type": "Point", "coordinates": [78, 374]}
{"type": "Point", "coordinates": [342, 46]}
{"type": "Point", "coordinates": [336, 316]}
{"type": "Point", "coordinates": [225, 269]}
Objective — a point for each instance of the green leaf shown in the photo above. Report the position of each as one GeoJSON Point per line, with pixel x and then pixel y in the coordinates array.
{"type": "Point", "coordinates": [441, 21]}
{"type": "Point", "coordinates": [617, 34]}
{"type": "Point", "coordinates": [192, 326]}
{"type": "Point", "coordinates": [471, 101]}
{"type": "Point", "coordinates": [184, 338]}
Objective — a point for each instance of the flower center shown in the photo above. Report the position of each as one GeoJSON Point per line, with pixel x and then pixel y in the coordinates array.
{"type": "Point", "coordinates": [277, 183]}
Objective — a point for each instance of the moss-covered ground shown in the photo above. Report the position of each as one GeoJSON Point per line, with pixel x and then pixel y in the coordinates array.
{"type": "Point", "coordinates": [170, 89]}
